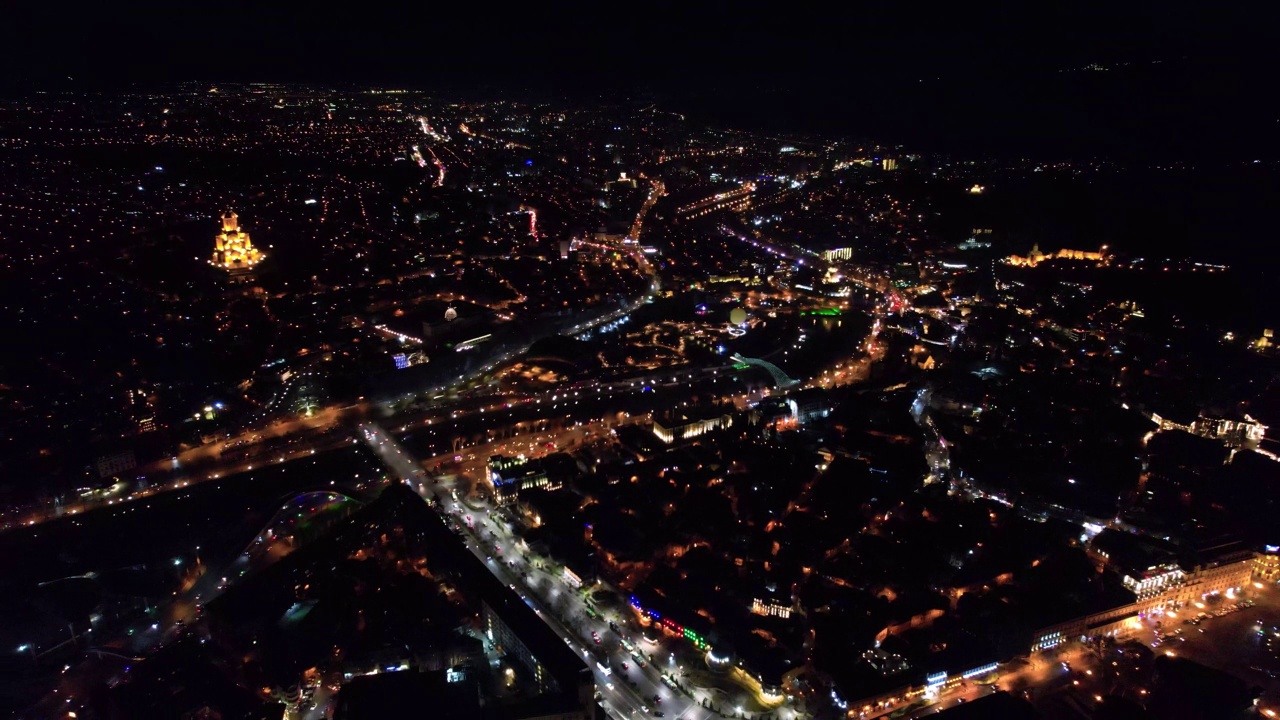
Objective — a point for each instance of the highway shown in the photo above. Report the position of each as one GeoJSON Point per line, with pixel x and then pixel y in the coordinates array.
{"type": "Point", "coordinates": [521, 571]}
{"type": "Point", "coordinates": [320, 419]}
{"type": "Point", "coordinates": [332, 416]}
{"type": "Point", "coordinates": [214, 461]}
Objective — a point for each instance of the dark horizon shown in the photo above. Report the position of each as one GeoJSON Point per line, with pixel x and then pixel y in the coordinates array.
{"type": "Point", "coordinates": [1158, 81]}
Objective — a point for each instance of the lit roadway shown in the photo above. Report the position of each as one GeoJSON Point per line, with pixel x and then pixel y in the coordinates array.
{"type": "Point", "coordinates": [321, 418]}
{"type": "Point", "coordinates": [331, 415]}
{"type": "Point", "coordinates": [510, 565]}
{"type": "Point", "coordinates": [489, 404]}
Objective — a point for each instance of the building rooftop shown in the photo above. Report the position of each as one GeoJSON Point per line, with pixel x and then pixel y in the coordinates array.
{"type": "Point", "coordinates": [407, 695]}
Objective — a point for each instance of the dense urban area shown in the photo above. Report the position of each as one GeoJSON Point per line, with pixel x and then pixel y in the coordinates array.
{"type": "Point", "coordinates": [372, 403]}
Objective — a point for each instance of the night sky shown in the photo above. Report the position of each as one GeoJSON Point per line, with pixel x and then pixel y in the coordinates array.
{"type": "Point", "coordinates": [955, 76]}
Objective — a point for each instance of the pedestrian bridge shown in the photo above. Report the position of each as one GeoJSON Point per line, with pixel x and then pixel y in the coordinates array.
{"type": "Point", "coordinates": [780, 378]}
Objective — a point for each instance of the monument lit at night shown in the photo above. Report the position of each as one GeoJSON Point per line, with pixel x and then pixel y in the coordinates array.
{"type": "Point", "coordinates": [233, 251]}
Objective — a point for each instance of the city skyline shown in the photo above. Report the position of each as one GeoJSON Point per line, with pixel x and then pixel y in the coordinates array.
{"type": "Point", "coordinates": [703, 362]}
{"type": "Point", "coordinates": [1148, 80]}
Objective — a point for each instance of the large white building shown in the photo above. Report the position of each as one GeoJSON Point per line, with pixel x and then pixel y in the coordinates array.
{"type": "Point", "coordinates": [685, 428]}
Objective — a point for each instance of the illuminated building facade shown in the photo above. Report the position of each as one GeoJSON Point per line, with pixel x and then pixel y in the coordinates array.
{"type": "Point", "coordinates": [232, 250]}
{"type": "Point", "coordinates": [564, 684]}
{"type": "Point", "coordinates": [745, 280]}
{"type": "Point", "coordinates": [770, 607]}
{"type": "Point", "coordinates": [571, 578]}
{"type": "Point", "coordinates": [1035, 257]}
{"type": "Point", "coordinates": [1154, 581]}
{"type": "Point", "coordinates": [1245, 432]}
{"type": "Point", "coordinates": [1266, 566]}
{"type": "Point", "coordinates": [1226, 578]}
{"type": "Point", "coordinates": [513, 475]}
{"type": "Point", "coordinates": [622, 180]}
{"type": "Point", "coordinates": [685, 428]}
{"type": "Point", "coordinates": [1248, 432]}
{"type": "Point", "coordinates": [501, 634]}
{"type": "Point", "coordinates": [142, 409]}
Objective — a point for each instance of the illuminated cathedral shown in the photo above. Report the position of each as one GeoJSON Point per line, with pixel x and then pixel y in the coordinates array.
{"type": "Point", "coordinates": [232, 249]}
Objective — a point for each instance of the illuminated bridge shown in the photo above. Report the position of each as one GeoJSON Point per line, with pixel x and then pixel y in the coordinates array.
{"type": "Point", "coordinates": [780, 379]}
